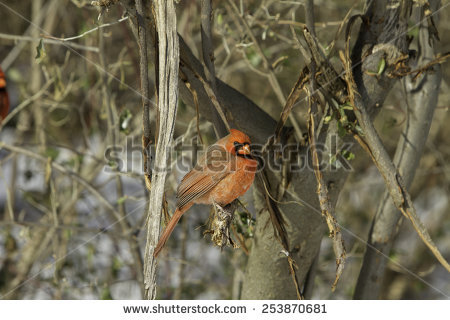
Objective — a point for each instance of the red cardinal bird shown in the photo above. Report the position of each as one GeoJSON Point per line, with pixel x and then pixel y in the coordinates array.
{"type": "Point", "coordinates": [223, 174]}
{"type": "Point", "coordinates": [4, 99]}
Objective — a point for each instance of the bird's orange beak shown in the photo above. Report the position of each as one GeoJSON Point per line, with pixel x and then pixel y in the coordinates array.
{"type": "Point", "coordinates": [246, 149]}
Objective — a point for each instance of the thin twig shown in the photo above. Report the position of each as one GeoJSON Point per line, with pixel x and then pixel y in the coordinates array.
{"type": "Point", "coordinates": [331, 46]}
{"type": "Point", "coordinates": [48, 41]}
{"type": "Point", "coordinates": [86, 32]}
{"type": "Point", "coordinates": [292, 98]}
{"type": "Point", "coordinates": [197, 113]}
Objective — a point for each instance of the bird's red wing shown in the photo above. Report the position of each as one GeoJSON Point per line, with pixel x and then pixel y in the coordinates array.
{"type": "Point", "coordinates": [209, 171]}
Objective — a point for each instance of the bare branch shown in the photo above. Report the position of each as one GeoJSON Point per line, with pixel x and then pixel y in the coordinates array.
{"type": "Point", "coordinates": [220, 124]}
{"type": "Point", "coordinates": [421, 105]}
{"type": "Point", "coordinates": [48, 41]}
{"type": "Point", "coordinates": [145, 90]}
{"type": "Point", "coordinates": [103, 25]}
{"type": "Point", "coordinates": [326, 206]}
{"type": "Point", "coordinates": [291, 100]}
{"type": "Point", "coordinates": [309, 16]}
{"type": "Point", "coordinates": [214, 100]}
{"type": "Point", "coordinates": [168, 55]}
{"type": "Point", "coordinates": [372, 143]}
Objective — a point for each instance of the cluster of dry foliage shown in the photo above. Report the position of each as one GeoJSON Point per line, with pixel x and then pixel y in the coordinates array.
{"type": "Point", "coordinates": [74, 200]}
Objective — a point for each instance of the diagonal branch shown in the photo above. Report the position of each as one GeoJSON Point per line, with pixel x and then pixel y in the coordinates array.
{"type": "Point", "coordinates": [421, 105]}
{"type": "Point", "coordinates": [326, 206]}
{"type": "Point", "coordinates": [372, 143]}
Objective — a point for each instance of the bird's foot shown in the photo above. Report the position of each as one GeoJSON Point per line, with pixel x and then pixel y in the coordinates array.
{"type": "Point", "coordinates": [220, 225]}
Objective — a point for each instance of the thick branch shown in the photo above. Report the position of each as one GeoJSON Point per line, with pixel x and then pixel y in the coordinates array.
{"type": "Point", "coordinates": [168, 53]}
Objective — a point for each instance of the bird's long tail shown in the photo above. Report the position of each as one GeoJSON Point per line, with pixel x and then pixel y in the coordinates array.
{"type": "Point", "coordinates": [169, 228]}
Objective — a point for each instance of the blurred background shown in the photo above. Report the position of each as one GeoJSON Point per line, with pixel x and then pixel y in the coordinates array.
{"type": "Point", "coordinates": [72, 195]}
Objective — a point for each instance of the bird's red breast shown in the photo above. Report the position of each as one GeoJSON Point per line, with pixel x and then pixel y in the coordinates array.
{"type": "Point", "coordinates": [223, 174]}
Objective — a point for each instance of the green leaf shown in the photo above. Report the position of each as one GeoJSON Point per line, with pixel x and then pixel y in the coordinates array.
{"type": "Point", "coordinates": [348, 155]}
{"type": "Point", "coordinates": [371, 73]}
{"type": "Point", "coordinates": [52, 153]}
{"type": "Point", "coordinates": [327, 119]}
{"type": "Point", "coordinates": [124, 121]}
{"type": "Point", "coordinates": [67, 233]}
{"type": "Point", "coordinates": [343, 117]}
{"type": "Point", "coordinates": [116, 266]}
{"type": "Point", "coordinates": [346, 106]}
{"type": "Point", "coordinates": [40, 52]}
{"type": "Point", "coordinates": [381, 66]}
{"type": "Point", "coordinates": [413, 31]}
{"type": "Point", "coordinates": [121, 199]}
{"type": "Point", "coordinates": [14, 75]}
{"type": "Point", "coordinates": [106, 294]}
{"type": "Point", "coordinates": [341, 130]}
{"type": "Point", "coordinates": [113, 164]}
{"type": "Point", "coordinates": [333, 159]}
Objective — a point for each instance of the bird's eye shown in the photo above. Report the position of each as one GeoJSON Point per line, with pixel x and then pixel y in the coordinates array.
{"type": "Point", "coordinates": [237, 146]}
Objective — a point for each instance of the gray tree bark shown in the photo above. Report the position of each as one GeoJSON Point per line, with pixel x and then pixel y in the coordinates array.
{"type": "Point", "coordinates": [168, 54]}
